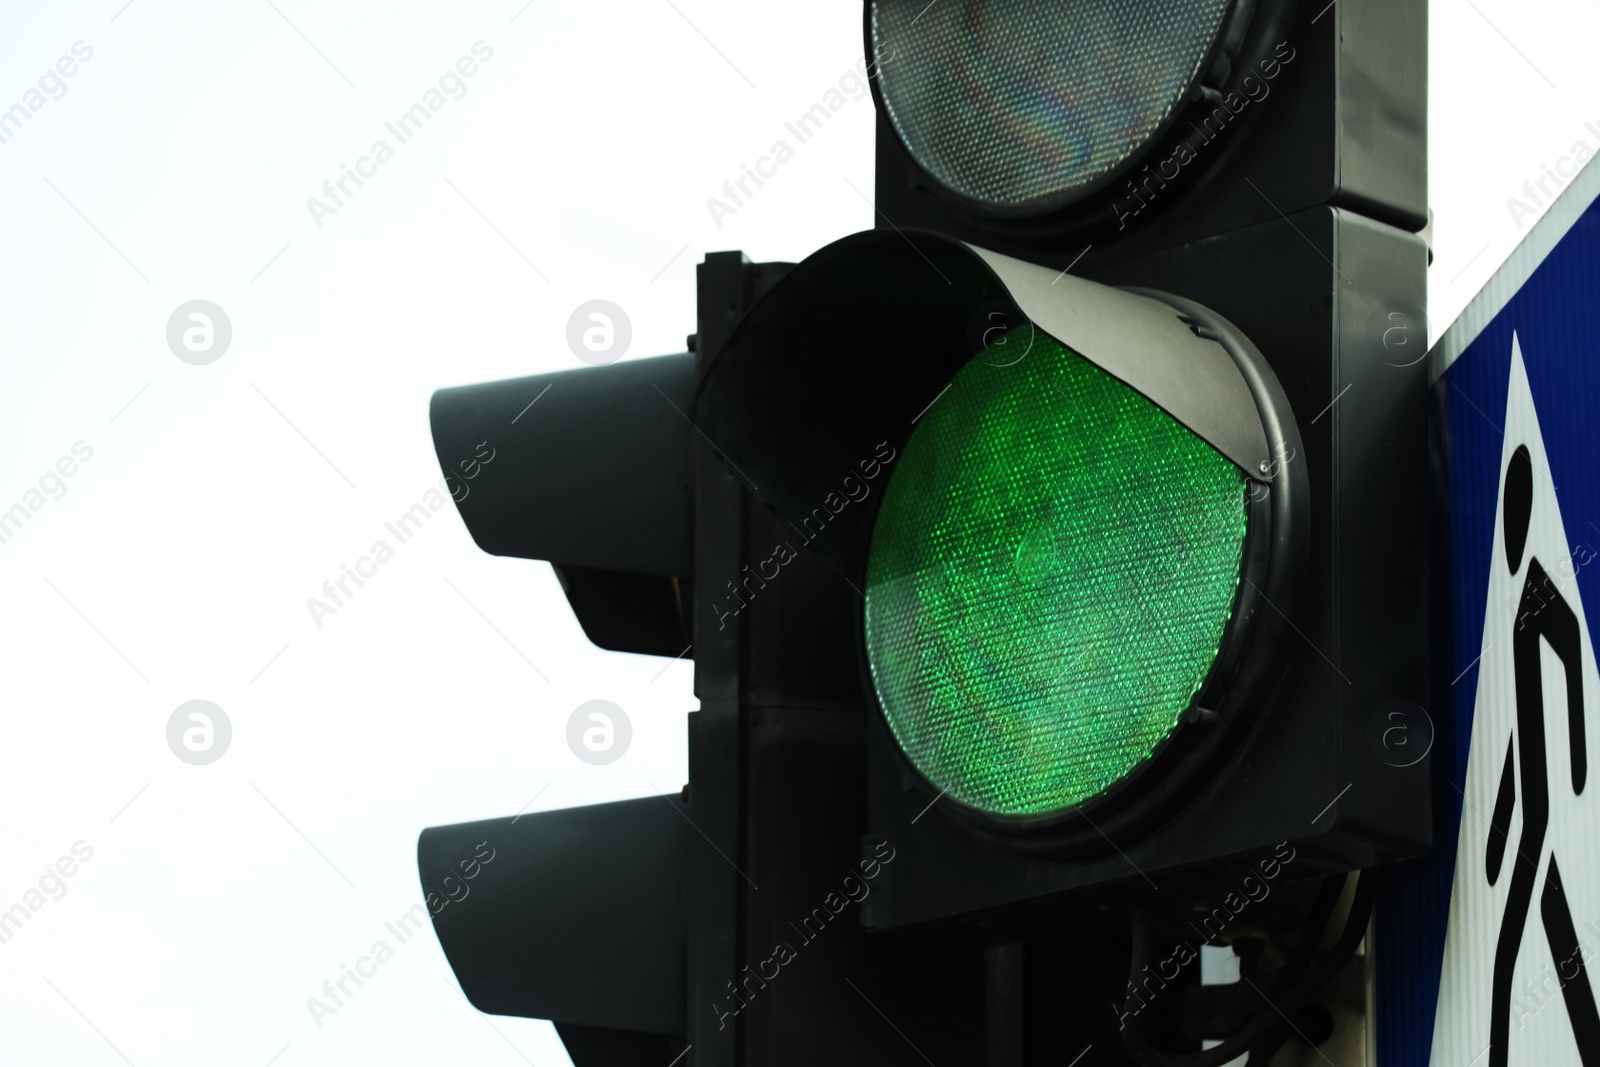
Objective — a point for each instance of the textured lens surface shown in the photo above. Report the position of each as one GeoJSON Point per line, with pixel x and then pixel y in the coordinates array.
{"type": "Point", "coordinates": [1028, 106]}
{"type": "Point", "coordinates": [1049, 578]}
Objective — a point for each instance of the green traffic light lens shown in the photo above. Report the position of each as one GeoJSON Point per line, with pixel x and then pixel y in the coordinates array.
{"type": "Point", "coordinates": [1049, 579]}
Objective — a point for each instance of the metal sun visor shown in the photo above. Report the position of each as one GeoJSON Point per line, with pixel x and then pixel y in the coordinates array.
{"type": "Point", "coordinates": [576, 915]}
{"type": "Point", "coordinates": [836, 364]}
{"type": "Point", "coordinates": [588, 469]}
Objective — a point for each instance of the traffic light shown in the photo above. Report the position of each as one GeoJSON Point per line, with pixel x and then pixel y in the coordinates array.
{"type": "Point", "coordinates": [1052, 558]}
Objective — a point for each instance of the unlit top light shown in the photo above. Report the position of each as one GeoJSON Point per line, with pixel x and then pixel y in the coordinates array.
{"type": "Point", "coordinates": [1026, 108]}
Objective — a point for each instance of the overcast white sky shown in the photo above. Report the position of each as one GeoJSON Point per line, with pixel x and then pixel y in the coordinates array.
{"type": "Point", "coordinates": [176, 564]}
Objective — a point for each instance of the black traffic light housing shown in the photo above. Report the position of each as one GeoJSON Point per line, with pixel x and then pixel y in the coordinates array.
{"type": "Point", "coordinates": [658, 487]}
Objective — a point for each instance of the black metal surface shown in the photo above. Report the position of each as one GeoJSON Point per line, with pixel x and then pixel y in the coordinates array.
{"type": "Point", "coordinates": [643, 613]}
{"type": "Point", "coordinates": [802, 402]}
{"type": "Point", "coordinates": [817, 986]}
{"type": "Point", "coordinates": [778, 795]}
{"type": "Point", "coordinates": [716, 730]}
{"type": "Point", "coordinates": [1005, 1019]}
{"type": "Point", "coordinates": [593, 1046]}
{"type": "Point", "coordinates": [590, 467]}
{"type": "Point", "coordinates": [519, 929]}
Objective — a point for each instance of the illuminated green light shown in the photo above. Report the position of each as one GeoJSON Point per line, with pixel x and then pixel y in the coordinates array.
{"type": "Point", "coordinates": [1049, 579]}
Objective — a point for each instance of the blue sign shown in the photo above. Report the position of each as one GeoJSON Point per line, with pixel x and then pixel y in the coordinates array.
{"type": "Point", "coordinates": [1485, 950]}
